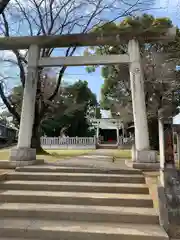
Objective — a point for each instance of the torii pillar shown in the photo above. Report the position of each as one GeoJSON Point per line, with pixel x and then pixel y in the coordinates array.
{"type": "Point", "coordinates": [143, 157]}
{"type": "Point", "coordinates": [24, 154]}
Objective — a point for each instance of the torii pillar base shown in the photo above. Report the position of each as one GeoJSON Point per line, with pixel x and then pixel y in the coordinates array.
{"type": "Point", "coordinates": [146, 160]}
{"type": "Point", "coordinates": [23, 156]}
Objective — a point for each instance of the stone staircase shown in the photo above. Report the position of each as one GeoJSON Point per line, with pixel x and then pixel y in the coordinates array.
{"type": "Point", "coordinates": [73, 203]}
{"type": "Point", "coordinates": [107, 146]}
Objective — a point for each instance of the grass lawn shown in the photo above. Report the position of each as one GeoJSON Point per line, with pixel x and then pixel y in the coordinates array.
{"type": "Point", "coordinates": [4, 154]}
{"type": "Point", "coordinates": [52, 154]}
{"type": "Point", "coordinates": [125, 154]}
{"type": "Point", "coordinates": [55, 154]}
{"type": "Point", "coordinates": [61, 154]}
{"type": "Point", "coordinates": [178, 164]}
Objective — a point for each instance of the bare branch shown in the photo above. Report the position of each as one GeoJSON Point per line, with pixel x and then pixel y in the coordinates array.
{"type": "Point", "coordinates": [8, 104]}
{"type": "Point", "coordinates": [42, 17]}
{"type": "Point", "coordinates": [16, 52]}
{"type": "Point", "coordinates": [23, 11]}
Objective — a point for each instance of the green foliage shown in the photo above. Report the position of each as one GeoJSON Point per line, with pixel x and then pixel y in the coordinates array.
{"type": "Point", "coordinates": [136, 24]}
{"type": "Point", "coordinates": [16, 97]}
{"type": "Point", "coordinates": [72, 112]}
{"type": "Point", "coordinates": [116, 87]}
{"type": "Point", "coordinates": [174, 47]}
{"type": "Point", "coordinates": [98, 113]}
{"type": "Point", "coordinates": [91, 69]}
{"type": "Point", "coordinates": [69, 111]}
{"type": "Point", "coordinates": [116, 93]}
{"type": "Point", "coordinates": [106, 27]}
{"type": "Point", "coordinates": [145, 22]}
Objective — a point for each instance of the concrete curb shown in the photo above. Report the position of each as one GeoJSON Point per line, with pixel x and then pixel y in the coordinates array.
{"type": "Point", "coordinates": [143, 166]}
{"type": "Point", "coordinates": [6, 164]}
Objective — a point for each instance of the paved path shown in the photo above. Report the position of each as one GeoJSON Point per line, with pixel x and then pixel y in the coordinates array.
{"type": "Point", "coordinates": [100, 158]}
{"type": "Point", "coordinates": [103, 152]}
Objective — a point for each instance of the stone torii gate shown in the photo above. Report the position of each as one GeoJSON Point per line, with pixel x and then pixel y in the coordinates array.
{"type": "Point", "coordinates": [24, 154]}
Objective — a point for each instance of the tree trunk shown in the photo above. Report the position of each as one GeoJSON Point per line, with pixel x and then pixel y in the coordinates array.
{"type": "Point", "coordinates": [35, 140]}
{"type": "Point", "coordinates": [153, 133]}
{"type": "Point", "coordinates": [36, 135]}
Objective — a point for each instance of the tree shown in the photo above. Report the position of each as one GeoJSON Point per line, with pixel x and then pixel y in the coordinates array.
{"type": "Point", "coordinates": [51, 17]}
{"type": "Point", "coordinates": [3, 5]}
{"type": "Point", "coordinates": [70, 110]}
{"type": "Point", "coordinates": [158, 62]}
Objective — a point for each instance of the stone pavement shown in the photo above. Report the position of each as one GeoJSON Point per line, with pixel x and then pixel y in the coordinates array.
{"type": "Point", "coordinates": [102, 152]}
{"type": "Point", "coordinates": [100, 158]}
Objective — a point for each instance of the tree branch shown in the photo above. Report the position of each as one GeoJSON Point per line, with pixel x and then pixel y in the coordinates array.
{"type": "Point", "coordinates": [16, 52]}
{"type": "Point", "coordinates": [8, 104]}
{"type": "Point", "coordinates": [3, 4]}
{"type": "Point", "coordinates": [40, 15]}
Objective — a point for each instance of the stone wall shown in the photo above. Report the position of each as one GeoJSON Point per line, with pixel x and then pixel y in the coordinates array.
{"type": "Point", "coordinates": [169, 202]}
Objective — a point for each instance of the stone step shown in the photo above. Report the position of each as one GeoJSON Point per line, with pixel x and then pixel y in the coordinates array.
{"type": "Point", "coordinates": [55, 230]}
{"type": "Point", "coordinates": [46, 168]}
{"type": "Point", "coordinates": [77, 177]}
{"type": "Point", "coordinates": [12, 238]}
{"type": "Point", "coordinates": [80, 213]}
{"type": "Point", "coordinates": [79, 198]}
{"type": "Point", "coordinates": [75, 186]}
{"type": "Point", "coordinates": [107, 146]}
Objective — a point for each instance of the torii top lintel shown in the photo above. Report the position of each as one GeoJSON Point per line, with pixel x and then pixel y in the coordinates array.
{"type": "Point", "coordinates": [89, 39]}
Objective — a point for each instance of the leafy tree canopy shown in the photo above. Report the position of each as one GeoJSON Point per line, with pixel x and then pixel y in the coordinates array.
{"type": "Point", "coordinates": [140, 24]}
{"type": "Point", "coordinates": [70, 111]}
{"type": "Point", "coordinates": [157, 61]}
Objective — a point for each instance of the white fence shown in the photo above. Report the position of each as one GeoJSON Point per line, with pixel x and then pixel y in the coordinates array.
{"type": "Point", "coordinates": [125, 140]}
{"type": "Point", "coordinates": [68, 142]}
